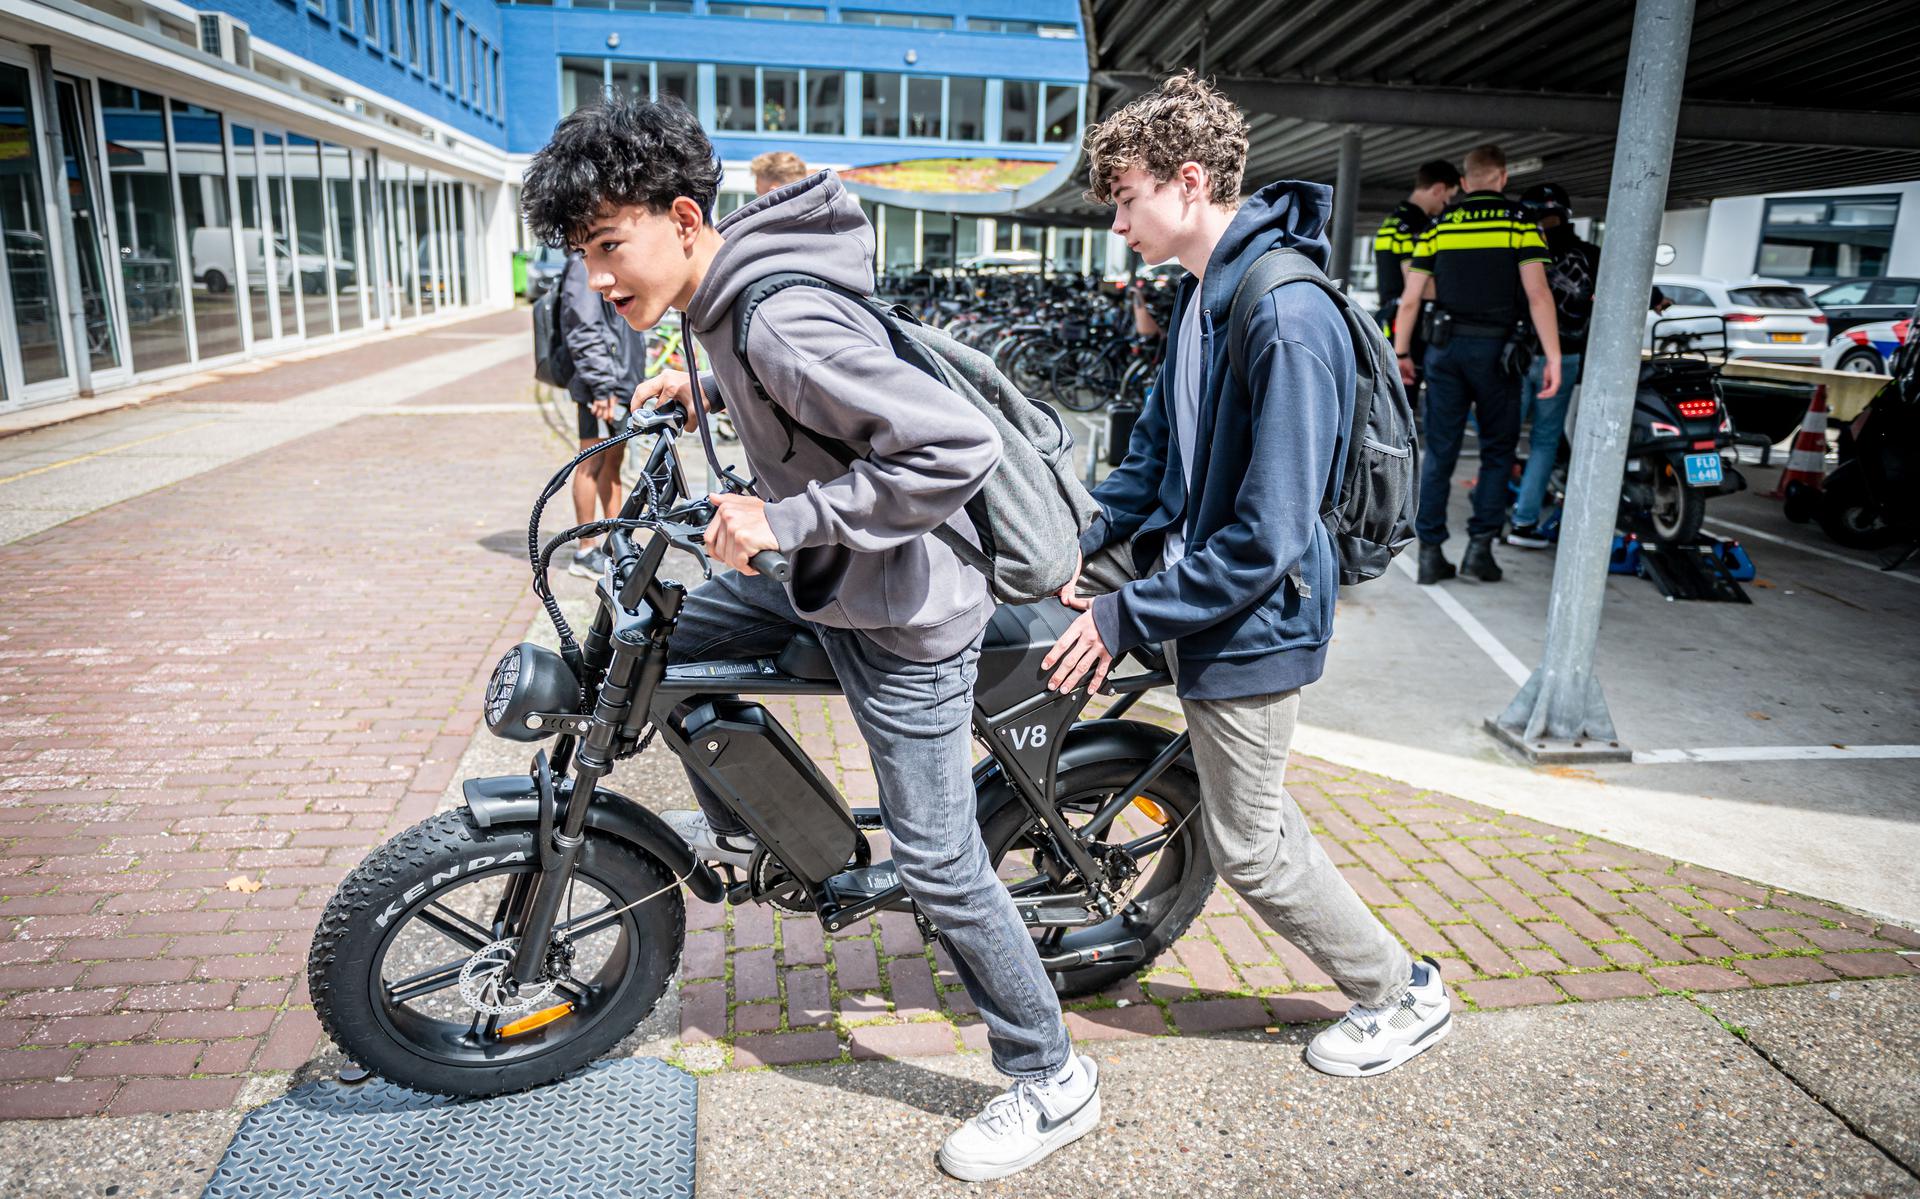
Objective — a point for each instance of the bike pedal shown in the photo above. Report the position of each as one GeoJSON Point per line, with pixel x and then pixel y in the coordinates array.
{"type": "Point", "coordinates": [863, 883]}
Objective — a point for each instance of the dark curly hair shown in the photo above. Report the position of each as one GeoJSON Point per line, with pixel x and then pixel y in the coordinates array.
{"type": "Point", "coordinates": [1183, 120]}
{"type": "Point", "coordinates": [614, 152]}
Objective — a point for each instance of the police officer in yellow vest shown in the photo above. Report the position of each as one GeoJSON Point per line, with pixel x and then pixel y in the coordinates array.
{"type": "Point", "coordinates": [1434, 186]}
{"type": "Point", "coordinates": [1484, 265]}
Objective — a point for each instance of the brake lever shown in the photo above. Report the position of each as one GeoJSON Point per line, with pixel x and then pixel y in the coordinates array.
{"type": "Point", "coordinates": [692, 539]}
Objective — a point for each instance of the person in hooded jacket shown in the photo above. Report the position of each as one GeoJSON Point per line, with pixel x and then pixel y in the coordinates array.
{"type": "Point", "coordinates": [608, 359]}
{"type": "Point", "coordinates": [900, 616]}
{"type": "Point", "coordinates": [1210, 541]}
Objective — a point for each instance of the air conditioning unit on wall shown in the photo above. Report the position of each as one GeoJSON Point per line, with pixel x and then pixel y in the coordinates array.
{"type": "Point", "coordinates": [224, 37]}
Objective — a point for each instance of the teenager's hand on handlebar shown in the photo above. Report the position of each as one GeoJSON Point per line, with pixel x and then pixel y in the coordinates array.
{"type": "Point", "coordinates": [1078, 651]}
{"type": "Point", "coordinates": [669, 387]}
{"type": "Point", "coordinates": [738, 530]}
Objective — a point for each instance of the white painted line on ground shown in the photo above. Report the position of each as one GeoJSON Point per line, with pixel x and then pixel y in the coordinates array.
{"type": "Point", "coordinates": [1479, 633]}
{"type": "Point", "coordinates": [1773, 753]}
{"type": "Point", "coordinates": [1816, 552]}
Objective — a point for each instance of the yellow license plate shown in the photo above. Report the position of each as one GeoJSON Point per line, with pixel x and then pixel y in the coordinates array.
{"type": "Point", "coordinates": [1795, 338]}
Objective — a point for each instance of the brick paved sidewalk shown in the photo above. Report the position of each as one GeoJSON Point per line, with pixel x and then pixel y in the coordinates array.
{"type": "Point", "coordinates": [1517, 912]}
{"type": "Point", "coordinates": [257, 672]}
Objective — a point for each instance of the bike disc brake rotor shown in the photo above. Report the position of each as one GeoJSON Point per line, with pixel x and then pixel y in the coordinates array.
{"type": "Point", "coordinates": [484, 982]}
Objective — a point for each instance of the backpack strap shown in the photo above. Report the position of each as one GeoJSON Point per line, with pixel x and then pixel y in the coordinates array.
{"type": "Point", "coordinates": [748, 302]}
{"type": "Point", "coordinates": [1274, 269]}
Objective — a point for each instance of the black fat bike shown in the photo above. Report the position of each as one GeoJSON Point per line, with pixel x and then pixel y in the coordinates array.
{"type": "Point", "coordinates": [515, 938]}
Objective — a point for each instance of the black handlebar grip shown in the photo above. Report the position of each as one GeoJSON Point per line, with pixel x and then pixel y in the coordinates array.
{"type": "Point", "coordinates": [773, 564]}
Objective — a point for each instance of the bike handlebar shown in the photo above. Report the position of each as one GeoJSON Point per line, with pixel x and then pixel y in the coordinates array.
{"type": "Point", "coordinates": [773, 564]}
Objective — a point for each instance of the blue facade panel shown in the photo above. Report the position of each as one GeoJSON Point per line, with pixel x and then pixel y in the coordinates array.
{"type": "Point", "coordinates": [333, 34]}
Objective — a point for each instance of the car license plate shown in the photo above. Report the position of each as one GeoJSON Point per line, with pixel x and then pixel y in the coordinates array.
{"type": "Point", "coordinates": [1703, 470]}
{"type": "Point", "coordinates": [1793, 338]}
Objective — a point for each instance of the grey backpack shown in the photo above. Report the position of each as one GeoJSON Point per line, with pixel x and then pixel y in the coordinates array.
{"type": "Point", "coordinates": [1369, 503]}
{"type": "Point", "coordinates": [1029, 513]}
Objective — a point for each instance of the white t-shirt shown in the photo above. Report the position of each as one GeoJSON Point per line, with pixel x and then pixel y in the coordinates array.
{"type": "Point", "coordinates": [1184, 409]}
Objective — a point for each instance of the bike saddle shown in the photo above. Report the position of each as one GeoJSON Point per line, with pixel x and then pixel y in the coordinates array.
{"type": "Point", "coordinates": [805, 658]}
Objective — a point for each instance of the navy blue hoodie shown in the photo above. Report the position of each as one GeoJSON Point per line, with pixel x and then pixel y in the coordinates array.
{"type": "Point", "coordinates": [1251, 603]}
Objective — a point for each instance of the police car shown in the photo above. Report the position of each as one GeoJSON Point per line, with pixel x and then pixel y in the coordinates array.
{"type": "Point", "coordinates": [1867, 348]}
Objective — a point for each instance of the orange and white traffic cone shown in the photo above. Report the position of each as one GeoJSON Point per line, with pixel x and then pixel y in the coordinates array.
{"type": "Point", "coordinates": [1807, 463]}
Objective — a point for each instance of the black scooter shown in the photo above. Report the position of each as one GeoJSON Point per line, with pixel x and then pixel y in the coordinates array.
{"type": "Point", "coordinates": [507, 942]}
{"type": "Point", "coordinates": [1872, 499]}
{"type": "Point", "coordinates": [1675, 460]}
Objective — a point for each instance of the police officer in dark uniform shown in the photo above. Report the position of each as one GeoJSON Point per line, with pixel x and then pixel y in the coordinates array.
{"type": "Point", "coordinates": [1434, 186]}
{"type": "Point", "coordinates": [1484, 265]}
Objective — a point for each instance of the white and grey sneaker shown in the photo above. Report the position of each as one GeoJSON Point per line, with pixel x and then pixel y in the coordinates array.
{"type": "Point", "coordinates": [1025, 1123]}
{"type": "Point", "coordinates": [1368, 1041]}
{"type": "Point", "coordinates": [696, 830]}
{"type": "Point", "coordinates": [589, 563]}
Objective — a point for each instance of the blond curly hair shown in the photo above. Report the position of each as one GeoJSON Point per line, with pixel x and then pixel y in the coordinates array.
{"type": "Point", "coordinates": [1183, 120]}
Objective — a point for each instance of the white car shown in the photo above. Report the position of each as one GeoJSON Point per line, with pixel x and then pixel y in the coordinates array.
{"type": "Point", "coordinates": [1767, 320]}
{"type": "Point", "coordinates": [1867, 348]}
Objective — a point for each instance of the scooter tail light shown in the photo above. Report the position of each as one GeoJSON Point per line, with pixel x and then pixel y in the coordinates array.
{"type": "Point", "coordinates": [1663, 429]}
{"type": "Point", "coordinates": [1698, 409]}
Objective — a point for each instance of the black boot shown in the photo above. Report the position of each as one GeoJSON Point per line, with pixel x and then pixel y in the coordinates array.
{"type": "Point", "coordinates": [1434, 566]}
{"type": "Point", "coordinates": [1478, 563]}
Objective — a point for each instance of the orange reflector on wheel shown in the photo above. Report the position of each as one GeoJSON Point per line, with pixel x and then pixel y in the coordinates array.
{"type": "Point", "coordinates": [535, 1020]}
{"type": "Point", "coordinates": [1153, 811]}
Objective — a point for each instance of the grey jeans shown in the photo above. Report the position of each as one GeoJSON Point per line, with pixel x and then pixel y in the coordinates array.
{"type": "Point", "coordinates": [1259, 838]}
{"type": "Point", "coordinates": [916, 718]}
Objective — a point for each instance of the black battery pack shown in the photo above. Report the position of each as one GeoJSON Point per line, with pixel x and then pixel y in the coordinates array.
{"type": "Point", "coordinates": [763, 775]}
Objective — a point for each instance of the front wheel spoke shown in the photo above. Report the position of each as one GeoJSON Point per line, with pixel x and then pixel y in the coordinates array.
{"type": "Point", "coordinates": [581, 927]}
{"type": "Point", "coordinates": [425, 983]}
{"type": "Point", "coordinates": [454, 926]}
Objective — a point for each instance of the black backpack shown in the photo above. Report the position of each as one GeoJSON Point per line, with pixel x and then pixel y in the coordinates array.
{"type": "Point", "coordinates": [552, 363]}
{"type": "Point", "coordinates": [1370, 500]}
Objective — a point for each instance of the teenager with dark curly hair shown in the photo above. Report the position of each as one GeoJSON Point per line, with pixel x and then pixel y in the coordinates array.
{"type": "Point", "coordinates": [631, 186]}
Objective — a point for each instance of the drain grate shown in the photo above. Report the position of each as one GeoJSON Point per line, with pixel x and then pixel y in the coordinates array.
{"type": "Point", "coordinates": [619, 1130]}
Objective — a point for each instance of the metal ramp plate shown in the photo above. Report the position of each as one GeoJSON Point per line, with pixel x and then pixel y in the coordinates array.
{"type": "Point", "coordinates": [618, 1130]}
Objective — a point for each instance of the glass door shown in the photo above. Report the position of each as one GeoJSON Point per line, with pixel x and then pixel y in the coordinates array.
{"type": "Point", "coordinates": [256, 235]}
{"type": "Point", "coordinates": [310, 234]}
{"type": "Point", "coordinates": [30, 341]}
{"type": "Point", "coordinates": [79, 140]}
{"type": "Point", "coordinates": [273, 180]}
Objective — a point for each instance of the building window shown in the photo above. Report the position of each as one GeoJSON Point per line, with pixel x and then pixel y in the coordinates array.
{"type": "Point", "coordinates": [1828, 236]}
{"type": "Point", "coordinates": [1063, 113]}
{"type": "Point", "coordinates": [666, 6]}
{"type": "Point", "coordinates": [767, 12]}
{"type": "Point", "coordinates": [676, 79]}
{"type": "Point", "coordinates": [499, 89]}
{"type": "Point", "coordinates": [923, 117]}
{"type": "Point", "coordinates": [413, 33]}
{"type": "Point", "coordinates": [317, 7]}
{"type": "Point", "coordinates": [879, 104]}
{"type": "Point", "coordinates": [966, 109]}
{"type": "Point", "coordinates": [896, 20]}
{"type": "Point", "coordinates": [1019, 105]}
{"type": "Point", "coordinates": [733, 99]}
{"type": "Point", "coordinates": [581, 81]}
{"type": "Point", "coordinates": [1025, 28]}
{"type": "Point", "coordinates": [779, 101]}
{"type": "Point", "coordinates": [826, 103]}
{"type": "Point", "coordinates": [634, 80]}
{"type": "Point", "coordinates": [143, 217]}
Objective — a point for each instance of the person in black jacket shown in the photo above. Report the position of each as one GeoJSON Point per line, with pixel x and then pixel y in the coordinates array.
{"type": "Point", "coordinates": [608, 360]}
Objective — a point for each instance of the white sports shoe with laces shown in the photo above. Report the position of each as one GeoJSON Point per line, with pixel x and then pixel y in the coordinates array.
{"type": "Point", "coordinates": [1369, 1041]}
{"type": "Point", "coordinates": [1024, 1124]}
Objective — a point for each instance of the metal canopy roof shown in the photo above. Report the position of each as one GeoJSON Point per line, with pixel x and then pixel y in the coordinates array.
{"type": "Point", "coordinates": [1781, 94]}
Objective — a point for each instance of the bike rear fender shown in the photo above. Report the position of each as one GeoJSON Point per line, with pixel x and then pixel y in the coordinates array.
{"type": "Point", "coordinates": [515, 799]}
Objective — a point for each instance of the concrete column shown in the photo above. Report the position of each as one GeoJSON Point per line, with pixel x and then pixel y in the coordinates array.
{"type": "Point", "coordinates": [1560, 713]}
{"type": "Point", "coordinates": [1346, 205]}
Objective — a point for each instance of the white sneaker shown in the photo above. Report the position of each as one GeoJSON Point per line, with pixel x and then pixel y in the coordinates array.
{"type": "Point", "coordinates": [1369, 1041]}
{"type": "Point", "coordinates": [696, 830]}
{"type": "Point", "coordinates": [1026, 1123]}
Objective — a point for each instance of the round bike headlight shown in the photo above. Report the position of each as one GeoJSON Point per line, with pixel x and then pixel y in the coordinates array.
{"type": "Point", "coordinates": [528, 679]}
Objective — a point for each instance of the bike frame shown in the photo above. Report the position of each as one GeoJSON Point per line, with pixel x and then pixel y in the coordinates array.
{"type": "Point", "coordinates": [627, 689]}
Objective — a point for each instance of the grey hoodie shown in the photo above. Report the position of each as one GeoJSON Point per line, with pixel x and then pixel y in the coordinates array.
{"type": "Point", "coordinates": [856, 538]}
